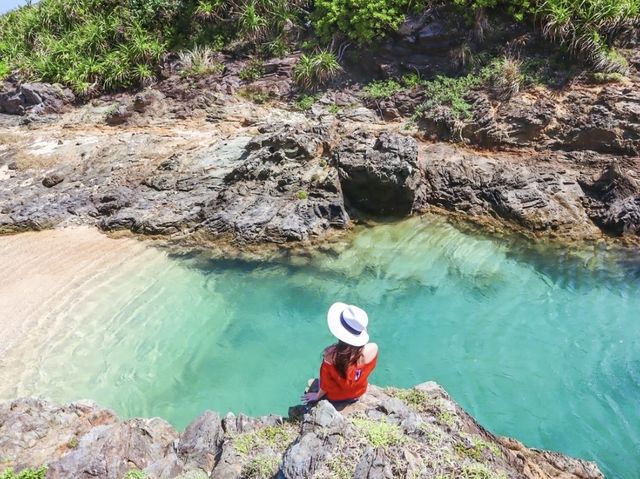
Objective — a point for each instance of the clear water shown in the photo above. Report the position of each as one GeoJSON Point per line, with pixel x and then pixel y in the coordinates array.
{"type": "Point", "coordinates": [542, 346]}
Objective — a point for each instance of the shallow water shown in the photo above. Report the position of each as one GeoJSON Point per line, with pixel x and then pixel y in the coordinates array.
{"type": "Point", "coordinates": [538, 345]}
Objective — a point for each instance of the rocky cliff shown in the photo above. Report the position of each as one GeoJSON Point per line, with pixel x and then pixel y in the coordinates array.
{"type": "Point", "coordinates": [218, 166]}
{"type": "Point", "coordinates": [389, 433]}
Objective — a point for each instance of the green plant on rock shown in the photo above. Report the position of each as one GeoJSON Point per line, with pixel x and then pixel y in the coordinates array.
{"type": "Point", "coordinates": [600, 78]}
{"type": "Point", "coordinates": [305, 102]}
{"type": "Point", "coordinates": [507, 77]}
{"type": "Point", "coordinates": [256, 95]}
{"type": "Point", "coordinates": [447, 418]}
{"type": "Point", "coordinates": [480, 471]}
{"type": "Point", "coordinates": [261, 467]}
{"type": "Point", "coordinates": [381, 89]}
{"type": "Point", "coordinates": [380, 433]}
{"type": "Point", "coordinates": [252, 70]}
{"type": "Point", "coordinates": [28, 473]}
{"type": "Point", "coordinates": [276, 438]}
{"type": "Point", "coordinates": [413, 397]}
{"type": "Point", "coordinates": [135, 474]}
{"type": "Point", "coordinates": [200, 60]}
{"type": "Point", "coordinates": [316, 69]}
{"type": "Point", "coordinates": [302, 195]}
{"type": "Point", "coordinates": [4, 70]}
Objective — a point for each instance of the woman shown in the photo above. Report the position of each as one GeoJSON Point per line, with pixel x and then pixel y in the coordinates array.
{"type": "Point", "coordinates": [347, 364]}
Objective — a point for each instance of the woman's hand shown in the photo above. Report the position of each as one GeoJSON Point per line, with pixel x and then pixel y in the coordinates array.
{"type": "Point", "coordinates": [310, 397]}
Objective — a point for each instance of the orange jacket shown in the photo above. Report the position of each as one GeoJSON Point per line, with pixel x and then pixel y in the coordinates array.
{"type": "Point", "coordinates": [341, 389]}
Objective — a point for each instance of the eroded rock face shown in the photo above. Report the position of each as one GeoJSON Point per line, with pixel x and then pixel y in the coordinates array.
{"type": "Point", "coordinates": [282, 191]}
{"type": "Point", "coordinates": [389, 433]}
{"type": "Point", "coordinates": [614, 198]}
{"type": "Point", "coordinates": [379, 175]}
{"type": "Point", "coordinates": [532, 194]}
{"type": "Point", "coordinates": [34, 97]}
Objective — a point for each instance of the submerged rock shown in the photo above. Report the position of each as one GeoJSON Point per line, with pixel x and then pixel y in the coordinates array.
{"type": "Point", "coordinates": [419, 432]}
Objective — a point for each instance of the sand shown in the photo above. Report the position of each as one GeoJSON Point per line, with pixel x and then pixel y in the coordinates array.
{"type": "Point", "coordinates": [40, 271]}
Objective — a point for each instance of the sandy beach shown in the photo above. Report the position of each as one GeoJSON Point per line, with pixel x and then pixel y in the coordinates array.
{"type": "Point", "coordinates": [42, 270]}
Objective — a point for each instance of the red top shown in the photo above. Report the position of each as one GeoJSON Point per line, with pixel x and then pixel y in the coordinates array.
{"type": "Point", "coordinates": [341, 389]}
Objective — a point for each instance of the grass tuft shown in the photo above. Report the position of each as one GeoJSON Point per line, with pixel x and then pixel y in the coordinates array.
{"type": "Point", "coordinates": [315, 70]}
{"type": "Point", "coordinates": [380, 433]}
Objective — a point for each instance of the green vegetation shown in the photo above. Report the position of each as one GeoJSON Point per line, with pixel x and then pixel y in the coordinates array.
{"type": "Point", "coordinates": [275, 437]}
{"type": "Point", "coordinates": [380, 433]}
{"type": "Point", "coordinates": [95, 45]}
{"type": "Point", "coordinates": [305, 102]}
{"type": "Point", "coordinates": [199, 61]}
{"type": "Point", "coordinates": [586, 27]}
{"type": "Point", "coordinates": [135, 474]}
{"type": "Point", "coordinates": [340, 467]}
{"type": "Point", "coordinates": [477, 448]}
{"type": "Point", "coordinates": [302, 195]}
{"type": "Point", "coordinates": [362, 21]}
{"type": "Point", "coordinates": [253, 70]}
{"type": "Point", "coordinates": [261, 467]}
{"type": "Point", "coordinates": [316, 69]}
{"type": "Point", "coordinates": [599, 77]}
{"type": "Point", "coordinates": [480, 471]}
{"type": "Point", "coordinates": [73, 443]}
{"type": "Point", "coordinates": [39, 473]}
{"type": "Point", "coordinates": [447, 418]}
{"type": "Point", "coordinates": [256, 95]}
{"type": "Point", "coordinates": [413, 397]}
{"type": "Point", "coordinates": [382, 89]}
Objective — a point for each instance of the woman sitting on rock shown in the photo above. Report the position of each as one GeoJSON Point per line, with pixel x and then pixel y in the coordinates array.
{"type": "Point", "coordinates": [347, 364]}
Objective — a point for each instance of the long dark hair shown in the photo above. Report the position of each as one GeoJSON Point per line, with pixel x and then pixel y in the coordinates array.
{"type": "Point", "coordinates": [345, 355]}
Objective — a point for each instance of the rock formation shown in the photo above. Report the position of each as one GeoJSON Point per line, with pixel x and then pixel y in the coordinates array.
{"type": "Point", "coordinates": [389, 433]}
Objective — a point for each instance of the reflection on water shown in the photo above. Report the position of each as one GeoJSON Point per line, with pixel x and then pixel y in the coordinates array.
{"type": "Point", "coordinates": [536, 344]}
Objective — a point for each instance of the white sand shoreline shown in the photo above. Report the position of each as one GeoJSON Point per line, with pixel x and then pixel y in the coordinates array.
{"type": "Point", "coordinates": [41, 270]}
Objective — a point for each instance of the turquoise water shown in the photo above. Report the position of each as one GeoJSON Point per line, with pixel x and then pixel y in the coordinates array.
{"type": "Point", "coordinates": [538, 345]}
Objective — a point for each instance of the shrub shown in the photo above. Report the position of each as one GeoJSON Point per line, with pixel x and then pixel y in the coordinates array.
{"type": "Point", "coordinates": [253, 70]}
{"type": "Point", "coordinates": [302, 195]}
{"type": "Point", "coordinates": [586, 27]}
{"type": "Point", "coordinates": [317, 69]}
{"type": "Point", "coordinates": [93, 45]}
{"type": "Point", "coordinates": [362, 21]}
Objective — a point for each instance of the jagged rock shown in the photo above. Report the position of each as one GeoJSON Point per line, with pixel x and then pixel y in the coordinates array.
{"type": "Point", "coordinates": [380, 175]}
{"type": "Point", "coordinates": [280, 192]}
{"type": "Point", "coordinates": [614, 198]}
{"type": "Point", "coordinates": [38, 97]}
{"type": "Point", "coordinates": [201, 441]}
{"type": "Point", "coordinates": [530, 194]}
{"type": "Point", "coordinates": [110, 451]}
{"type": "Point", "coordinates": [374, 437]}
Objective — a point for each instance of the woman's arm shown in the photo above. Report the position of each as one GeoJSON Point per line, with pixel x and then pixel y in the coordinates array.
{"type": "Point", "coordinates": [312, 397]}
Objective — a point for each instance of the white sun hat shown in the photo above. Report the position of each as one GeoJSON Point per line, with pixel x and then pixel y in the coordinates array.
{"type": "Point", "coordinates": [348, 324]}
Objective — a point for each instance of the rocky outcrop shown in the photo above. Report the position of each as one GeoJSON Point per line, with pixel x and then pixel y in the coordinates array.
{"type": "Point", "coordinates": [614, 198]}
{"type": "Point", "coordinates": [379, 175]}
{"type": "Point", "coordinates": [389, 433]}
{"type": "Point", "coordinates": [37, 98]}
